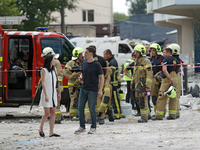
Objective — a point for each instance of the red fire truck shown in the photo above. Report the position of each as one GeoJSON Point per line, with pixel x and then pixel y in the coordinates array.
{"type": "Point", "coordinates": [28, 46]}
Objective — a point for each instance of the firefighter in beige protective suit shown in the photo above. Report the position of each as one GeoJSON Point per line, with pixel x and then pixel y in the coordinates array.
{"type": "Point", "coordinates": [142, 78]}
{"type": "Point", "coordinates": [105, 105]}
{"type": "Point", "coordinates": [156, 61]}
{"type": "Point", "coordinates": [168, 86]}
{"type": "Point", "coordinates": [175, 53]}
{"type": "Point", "coordinates": [71, 72]}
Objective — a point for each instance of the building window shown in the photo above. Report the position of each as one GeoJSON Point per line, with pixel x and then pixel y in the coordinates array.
{"type": "Point", "coordinates": [88, 15]}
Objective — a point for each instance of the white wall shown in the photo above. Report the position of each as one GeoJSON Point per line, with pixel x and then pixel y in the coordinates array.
{"type": "Point", "coordinates": [103, 13]}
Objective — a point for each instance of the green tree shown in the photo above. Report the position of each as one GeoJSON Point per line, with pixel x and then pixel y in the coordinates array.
{"type": "Point", "coordinates": [119, 17]}
{"type": "Point", "coordinates": [137, 6]}
{"type": "Point", "coordinates": [8, 8]}
{"type": "Point", "coordinates": [39, 12]}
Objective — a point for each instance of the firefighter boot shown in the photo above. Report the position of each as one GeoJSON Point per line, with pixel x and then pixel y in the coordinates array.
{"type": "Point", "coordinates": [142, 120]}
{"type": "Point", "coordinates": [155, 118]}
{"type": "Point", "coordinates": [57, 121]}
{"type": "Point", "coordinates": [170, 118]}
{"type": "Point", "coordinates": [101, 120]}
{"type": "Point", "coordinates": [110, 116]}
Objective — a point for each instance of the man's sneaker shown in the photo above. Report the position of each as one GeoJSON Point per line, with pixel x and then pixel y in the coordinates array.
{"type": "Point", "coordinates": [177, 116]}
{"type": "Point", "coordinates": [92, 131]}
{"type": "Point", "coordinates": [80, 130]}
{"type": "Point", "coordinates": [170, 118]}
{"type": "Point", "coordinates": [142, 120]}
{"type": "Point", "coordinates": [149, 117]}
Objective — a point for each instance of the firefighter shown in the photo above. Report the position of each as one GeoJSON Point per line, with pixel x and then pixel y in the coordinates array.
{"type": "Point", "coordinates": [46, 51]}
{"type": "Point", "coordinates": [106, 98]}
{"type": "Point", "coordinates": [142, 78]}
{"type": "Point", "coordinates": [175, 53]}
{"type": "Point", "coordinates": [157, 70]}
{"type": "Point", "coordinates": [115, 82]}
{"type": "Point", "coordinates": [102, 61]}
{"type": "Point", "coordinates": [167, 89]}
{"type": "Point", "coordinates": [73, 81]}
{"type": "Point", "coordinates": [128, 70]}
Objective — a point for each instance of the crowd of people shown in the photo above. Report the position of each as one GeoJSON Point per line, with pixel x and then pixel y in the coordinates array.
{"type": "Point", "coordinates": [94, 83]}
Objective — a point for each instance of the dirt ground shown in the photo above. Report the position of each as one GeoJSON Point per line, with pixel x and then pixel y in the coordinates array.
{"type": "Point", "coordinates": [21, 132]}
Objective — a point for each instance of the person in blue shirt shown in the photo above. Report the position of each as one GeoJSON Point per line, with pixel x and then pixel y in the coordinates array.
{"type": "Point", "coordinates": [169, 78]}
{"type": "Point", "coordinates": [92, 73]}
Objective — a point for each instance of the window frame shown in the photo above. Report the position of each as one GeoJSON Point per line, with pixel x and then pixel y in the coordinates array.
{"type": "Point", "coordinates": [87, 15]}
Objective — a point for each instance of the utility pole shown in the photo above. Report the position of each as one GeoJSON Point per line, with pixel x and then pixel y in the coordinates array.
{"type": "Point", "coordinates": [62, 14]}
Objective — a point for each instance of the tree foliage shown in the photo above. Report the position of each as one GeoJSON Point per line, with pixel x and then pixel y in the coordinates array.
{"type": "Point", "coordinates": [39, 12]}
{"type": "Point", "coordinates": [137, 6]}
{"type": "Point", "coordinates": [119, 17]}
{"type": "Point", "coordinates": [8, 8]}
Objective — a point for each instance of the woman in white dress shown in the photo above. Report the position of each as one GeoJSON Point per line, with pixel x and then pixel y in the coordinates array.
{"type": "Point", "coordinates": [49, 94]}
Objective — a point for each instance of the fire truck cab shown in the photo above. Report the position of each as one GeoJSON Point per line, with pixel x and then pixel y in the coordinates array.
{"type": "Point", "coordinates": [18, 83]}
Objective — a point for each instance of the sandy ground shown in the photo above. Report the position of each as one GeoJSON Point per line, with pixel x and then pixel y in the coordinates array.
{"type": "Point", "coordinates": [21, 132]}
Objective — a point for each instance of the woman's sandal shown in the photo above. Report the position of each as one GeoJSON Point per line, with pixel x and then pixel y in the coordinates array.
{"type": "Point", "coordinates": [56, 135]}
{"type": "Point", "coordinates": [41, 133]}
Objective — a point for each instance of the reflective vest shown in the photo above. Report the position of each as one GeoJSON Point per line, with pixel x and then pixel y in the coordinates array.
{"type": "Point", "coordinates": [126, 64]}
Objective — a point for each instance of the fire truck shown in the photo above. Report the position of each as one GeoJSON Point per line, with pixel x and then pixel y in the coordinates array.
{"type": "Point", "coordinates": [27, 47]}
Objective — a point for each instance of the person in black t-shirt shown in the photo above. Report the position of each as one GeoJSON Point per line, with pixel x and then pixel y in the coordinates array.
{"type": "Point", "coordinates": [91, 73]}
{"type": "Point", "coordinates": [102, 62]}
{"type": "Point", "coordinates": [169, 77]}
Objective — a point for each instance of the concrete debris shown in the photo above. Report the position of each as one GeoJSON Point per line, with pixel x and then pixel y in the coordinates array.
{"type": "Point", "coordinates": [22, 121]}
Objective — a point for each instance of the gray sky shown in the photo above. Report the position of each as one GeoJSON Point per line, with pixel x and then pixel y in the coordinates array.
{"type": "Point", "coordinates": [120, 6]}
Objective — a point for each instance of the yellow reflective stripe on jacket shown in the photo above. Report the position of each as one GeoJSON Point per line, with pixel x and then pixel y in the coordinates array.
{"type": "Point", "coordinates": [144, 111]}
{"type": "Point", "coordinates": [67, 66]}
{"type": "Point", "coordinates": [143, 67]}
{"type": "Point", "coordinates": [173, 112]}
{"type": "Point", "coordinates": [60, 78]}
{"type": "Point", "coordinates": [148, 79]}
{"type": "Point", "coordinates": [70, 82]}
{"type": "Point", "coordinates": [1, 58]}
{"type": "Point", "coordinates": [147, 66]}
{"type": "Point", "coordinates": [106, 89]}
{"type": "Point", "coordinates": [159, 112]}
{"type": "Point", "coordinates": [104, 105]}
